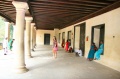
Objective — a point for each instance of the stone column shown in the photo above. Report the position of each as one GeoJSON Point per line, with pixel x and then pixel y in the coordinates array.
{"type": "Point", "coordinates": [32, 36]}
{"type": "Point", "coordinates": [7, 30]}
{"type": "Point", "coordinates": [21, 7]}
{"type": "Point", "coordinates": [28, 37]}
{"type": "Point", "coordinates": [35, 37]}
{"type": "Point", "coordinates": [56, 33]}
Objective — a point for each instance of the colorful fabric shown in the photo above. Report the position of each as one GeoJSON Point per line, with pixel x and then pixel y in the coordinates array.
{"type": "Point", "coordinates": [91, 52]}
{"type": "Point", "coordinates": [66, 46]}
{"type": "Point", "coordinates": [63, 43]}
{"type": "Point", "coordinates": [55, 46]}
{"type": "Point", "coordinates": [99, 51]}
{"type": "Point", "coordinates": [10, 44]}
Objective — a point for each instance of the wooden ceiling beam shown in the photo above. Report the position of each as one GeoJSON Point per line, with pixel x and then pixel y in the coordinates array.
{"type": "Point", "coordinates": [46, 9]}
{"type": "Point", "coordinates": [4, 7]}
{"type": "Point", "coordinates": [7, 10]}
{"type": "Point", "coordinates": [53, 10]}
{"type": "Point", "coordinates": [57, 14]}
{"type": "Point", "coordinates": [65, 8]}
{"type": "Point", "coordinates": [64, 16]}
{"type": "Point", "coordinates": [95, 1]}
{"type": "Point", "coordinates": [60, 8]}
{"type": "Point", "coordinates": [10, 12]}
{"type": "Point", "coordinates": [63, 3]}
{"type": "Point", "coordinates": [21, 0]}
{"type": "Point", "coordinates": [7, 5]}
{"type": "Point", "coordinates": [106, 9]}
{"type": "Point", "coordinates": [6, 16]}
{"type": "Point", "coordinates": [54, 19]}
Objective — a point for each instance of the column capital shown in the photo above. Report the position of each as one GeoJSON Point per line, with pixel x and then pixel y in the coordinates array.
{"type": "Point", "coordinates": [7, 22]}
{"type": "Point", "coordinates": [20, 5]}
{"type": "Point", "coordinates": [32, 24]}
{"type": "Point", "coordinates": [34, 27]}
{"type": "Point", "coordinates": [12, 23]}
{"type": "Point", "coordinates": [56, 28]}
{"type": "Point", "coordinates": [28, 18]}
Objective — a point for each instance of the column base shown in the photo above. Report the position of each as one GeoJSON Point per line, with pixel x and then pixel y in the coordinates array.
{"type": "Point", "coordinates": [21, 70]}
{"type": "Point", "coordinates": [34, 47]}
{"type": "Point", "coordinates": [33, 50]}
{"type": "Point", "coordinates": [29, 56]}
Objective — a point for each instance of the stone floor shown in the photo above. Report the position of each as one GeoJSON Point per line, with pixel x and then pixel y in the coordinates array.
{"type": "Point", "coordinates": [66, 66]}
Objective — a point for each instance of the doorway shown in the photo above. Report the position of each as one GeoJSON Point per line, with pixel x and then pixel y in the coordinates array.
{"type": "Point", "coordinates": [63, 36]}
{"type": "Point", "coordinates": [69, 37]}
{"type": "Point", "coordinates": [46, 39]}
{"type": "Point", "coordinates": [98, 33]}
{"type": "Point", "coordinates": [82, 37]}
{"type": "Point", "coordinates": [59, 37]}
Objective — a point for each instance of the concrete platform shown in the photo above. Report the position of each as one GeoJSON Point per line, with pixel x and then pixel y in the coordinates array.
{"type": "Point", "coordinates": [66, 66]}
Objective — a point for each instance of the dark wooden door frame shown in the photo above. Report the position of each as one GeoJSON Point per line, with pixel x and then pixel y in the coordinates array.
{"type": "Point", "coordinates": [59, 37]}
{"type": "Point", "coordinates": [74, 36]}
{"type": "Point", "coordinates": [80, 40]}
{"type": "Point", "coordinates": [68, 34]}
{"type": "Point", "coordinates": [92, 33]}
{"type": "Point", "coordinates": [62, 35]}
{"type": "Point", "coordinates": [45, 39]}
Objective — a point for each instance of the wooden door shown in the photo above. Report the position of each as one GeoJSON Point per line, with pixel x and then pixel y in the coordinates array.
{"type": "Point", "coordinates": [82, 37]}
{"type": "Point", "coordinates": [46, 39]}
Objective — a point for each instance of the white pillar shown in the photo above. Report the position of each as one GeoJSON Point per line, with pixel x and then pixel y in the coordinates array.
{"type": "Point", "coordinates": [35, 36]}
{"type": "Point", "coordinates": [56, 33]}
{"type": "Point", "coordinates": [32, 36]}
{"type": "Point", "coordinates": [28, 37]}
{"type": "Point", "coordinates": [21, 7]}
{"type": "Point", "coordinates": [7, 30]}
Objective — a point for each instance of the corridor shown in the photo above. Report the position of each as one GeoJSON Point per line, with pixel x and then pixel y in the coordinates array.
{"type": "Point", "coordinates": [65, 66]}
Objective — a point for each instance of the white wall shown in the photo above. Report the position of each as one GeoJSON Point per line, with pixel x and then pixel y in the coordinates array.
{"type": "Point", "coordinates": [40, 36]}
{"type": "Point", "coordinates": [71, 28]}
{"type": "Point", "coordinates": [111, 19]}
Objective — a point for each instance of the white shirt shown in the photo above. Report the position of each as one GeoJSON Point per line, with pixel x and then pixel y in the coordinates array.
{"type": "Point", "coordinates": [5, 43]}
{"type": "Point", "coordinates": [79, 52]}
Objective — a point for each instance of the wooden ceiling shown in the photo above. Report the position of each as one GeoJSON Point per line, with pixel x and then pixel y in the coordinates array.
{"type": "Point", "coordinates": [50, 14]}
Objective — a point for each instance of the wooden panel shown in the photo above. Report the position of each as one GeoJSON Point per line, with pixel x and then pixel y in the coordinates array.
{"type": "Point", "coordinates": [50, 14]}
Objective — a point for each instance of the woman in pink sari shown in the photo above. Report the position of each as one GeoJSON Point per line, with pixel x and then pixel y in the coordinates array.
{"type": "Point", "coordinates": [55, 47]}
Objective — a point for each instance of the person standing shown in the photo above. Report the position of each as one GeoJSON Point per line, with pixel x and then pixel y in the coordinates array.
{"type": "Point", "coordinates": [10, 44]}
{"type": "Point", "coordinates": [67, 46]}
{"type": "Point", "coordinates": [55, 47]}
{"type": "Point", "coordinates": [5, 43]}
{"type": "Point", "coordinates": [63, 43]}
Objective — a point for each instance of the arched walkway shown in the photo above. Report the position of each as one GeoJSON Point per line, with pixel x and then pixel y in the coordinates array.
{"type": "Point", "coordinates": [66, 66]}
